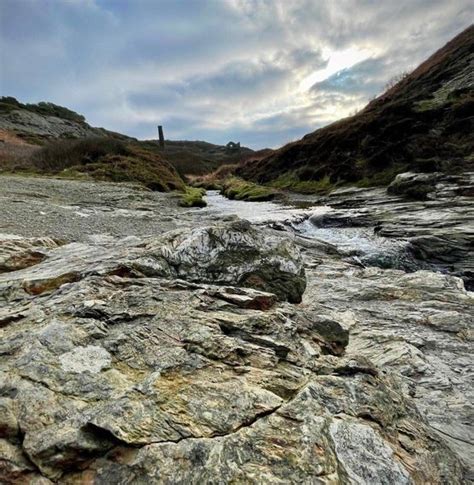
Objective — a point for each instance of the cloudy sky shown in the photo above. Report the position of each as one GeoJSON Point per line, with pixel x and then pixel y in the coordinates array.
{"type": "Point", "coordinates": [262, 72]}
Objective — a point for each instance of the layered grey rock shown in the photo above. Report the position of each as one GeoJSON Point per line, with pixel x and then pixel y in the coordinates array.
{"type": "Point", "coordinates": [28, 122]}
{"type": "Point", "coordinates": [234, 254]}
{"type": "Point", "coordinates": [417, 326]}
{"type": "Point", "coordinates": [143, 358]}
{"type": "Point", "coordinates": [414, 185]}
{"type": "Point", "coordinates": [119, 376]}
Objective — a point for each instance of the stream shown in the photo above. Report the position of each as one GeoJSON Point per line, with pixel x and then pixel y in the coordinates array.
{"type": "Point", "coordinates": [360, 244]}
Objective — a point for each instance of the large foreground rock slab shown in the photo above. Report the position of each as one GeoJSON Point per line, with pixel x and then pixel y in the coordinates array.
{"type": "Point", "coordinates": [123, 376]}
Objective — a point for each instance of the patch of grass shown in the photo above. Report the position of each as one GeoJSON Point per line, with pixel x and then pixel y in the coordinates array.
{"type": "Point", "coordinates": [118, 168]}
{"type": "Point", "coordinates": [290, 181]}
{"type": "Point", "coordinates": [193, 197]}
{"type": "Point", "coordinates": [214, 180]}
{"type": "Point", "coordinates": [426, 105]}
{"type": "Point", "coordinates": [61, 154]}
{"type": "Point", "coordinates": [239, 189]}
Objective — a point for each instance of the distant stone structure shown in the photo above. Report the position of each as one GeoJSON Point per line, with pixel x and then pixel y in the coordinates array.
{"type": "Point", "coordinates": [161, 136]}
{"type": "Point", "coordinates": [233, 147]}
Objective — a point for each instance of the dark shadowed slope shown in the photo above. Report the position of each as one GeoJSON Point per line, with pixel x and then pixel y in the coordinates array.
{"type": "Point", "coordinates": [425, 122]}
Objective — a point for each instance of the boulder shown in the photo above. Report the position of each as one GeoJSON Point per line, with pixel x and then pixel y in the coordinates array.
{"type": "Point", "coordinates": [19, 253]}
{"type": "Point", "coordinates": [233, 253]}
{"type": "Point", "coordinates": [414, 185]}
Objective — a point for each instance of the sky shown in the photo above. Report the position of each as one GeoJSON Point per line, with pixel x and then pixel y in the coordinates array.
{"type": "Point", "coordinates": [262, 72]}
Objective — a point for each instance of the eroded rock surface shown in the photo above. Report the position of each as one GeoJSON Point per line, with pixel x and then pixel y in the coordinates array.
{"type": "Point", "coordinates": [122, 376]}
{"type": "Point", "coordinates": [18, 253]}
{"type": "Point", "coordinates": [235, 254]}
{"type": "Point", "coordinates": [416, 325]}
{"type": "Point", "coordinates": [232, 253]}
{"type": "Point", "coordinates": [149, 355]}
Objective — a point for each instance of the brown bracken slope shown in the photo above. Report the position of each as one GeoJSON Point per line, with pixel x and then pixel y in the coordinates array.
{"type": "Point", "coordinates": [424, 123]}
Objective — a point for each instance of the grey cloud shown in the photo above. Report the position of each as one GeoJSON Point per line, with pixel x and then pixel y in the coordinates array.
{"type": "Point", "coordinates": [210, 69]}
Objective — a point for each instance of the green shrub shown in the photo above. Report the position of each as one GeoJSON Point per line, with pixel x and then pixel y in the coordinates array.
{"type": "Point", "coordinates": [382, 178]}
{"type": "Point", "coordinates": [213, 180]}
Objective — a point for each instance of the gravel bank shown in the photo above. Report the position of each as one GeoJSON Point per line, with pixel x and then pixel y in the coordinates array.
{"type": "Point", "coordinates": [74, 210]}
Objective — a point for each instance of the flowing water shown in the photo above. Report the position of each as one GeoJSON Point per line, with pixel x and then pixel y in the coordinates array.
{"type": "Point", "coordinates": [358, 243]}
{"type": "Point", "coordinates": [257, 212]}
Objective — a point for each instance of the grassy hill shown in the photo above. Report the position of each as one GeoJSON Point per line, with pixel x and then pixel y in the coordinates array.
{"type": "Point", "coordinates": [49, 138]}
{"type": "Point", "coordinates": [45, 138]}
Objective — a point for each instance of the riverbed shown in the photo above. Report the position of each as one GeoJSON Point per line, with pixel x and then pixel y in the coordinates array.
{"type": "Point", "coordinates": [413, 324]}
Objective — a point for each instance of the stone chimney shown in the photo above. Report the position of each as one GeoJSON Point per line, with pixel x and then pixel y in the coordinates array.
{"type": "Point", "coordinates": [161, 136]}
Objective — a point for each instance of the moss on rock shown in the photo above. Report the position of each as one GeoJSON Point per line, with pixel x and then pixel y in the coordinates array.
{"type": "Point", "coordinates": [193, 197]}
{"type": "Point", "coordinates": [236, 188]}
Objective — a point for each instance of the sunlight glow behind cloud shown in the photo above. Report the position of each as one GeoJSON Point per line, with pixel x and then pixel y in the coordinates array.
{"type": "Point", "coordinates": [337, 61]}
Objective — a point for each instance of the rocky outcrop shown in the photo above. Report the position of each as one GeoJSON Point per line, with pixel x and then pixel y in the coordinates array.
{"type": "Point", "coordinates": [113, 370]}
{"type": "Point", "coordinates": [234, 254]}
{"type": "Point", "coordinates": [27, 122]}
{"type": "Point", "coordinates": [414, 185]}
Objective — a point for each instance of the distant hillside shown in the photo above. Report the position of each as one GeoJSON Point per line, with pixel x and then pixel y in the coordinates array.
{"type": "Point", "coordinates": [43, 122]}
{"type": "Point", "coordinates": [200, 157]}
{"type": "Point", "coordinates": [48, 139]}
{"type": "Point", "coordinates": [425, 122]}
